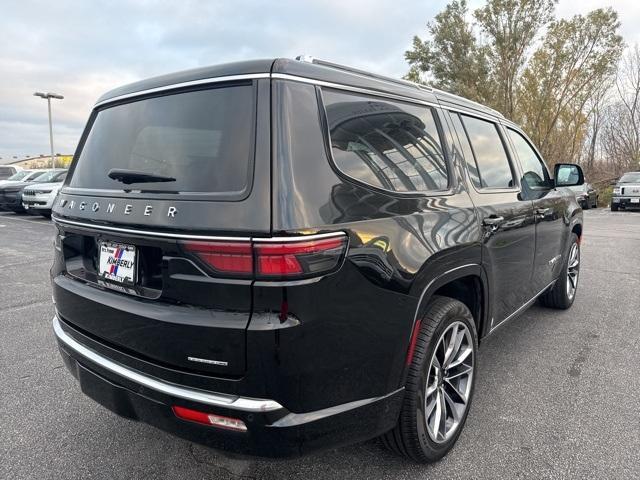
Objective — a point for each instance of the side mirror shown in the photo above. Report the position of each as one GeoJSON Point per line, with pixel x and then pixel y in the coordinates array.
{"type": "Point", "coordinates": [568, 175]}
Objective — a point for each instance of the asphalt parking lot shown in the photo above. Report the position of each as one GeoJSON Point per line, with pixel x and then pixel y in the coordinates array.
{"type": "Point", "coordinates": [558, 393]}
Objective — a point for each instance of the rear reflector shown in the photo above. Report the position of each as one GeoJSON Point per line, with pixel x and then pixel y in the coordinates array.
{"type": "Point", "coordinates": [209, 419]}
{"type": "Point", "coordinates": [272, 259]}
{"type": "Point", "coordinates": [412, 342]}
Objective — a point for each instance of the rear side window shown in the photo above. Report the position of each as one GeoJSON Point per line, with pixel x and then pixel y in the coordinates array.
{"type": "Point", "coordinates": [203, 139]}
{"type": "Point", "coordinates": [390, 145]}
{"type": "Point", "coordinates": [493, 166]}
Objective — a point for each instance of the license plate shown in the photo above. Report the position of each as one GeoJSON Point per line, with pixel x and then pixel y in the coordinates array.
{"type": "Point", "coordinates": [118, 262]}
{"type": "Point", "coordinates": [635, 200]}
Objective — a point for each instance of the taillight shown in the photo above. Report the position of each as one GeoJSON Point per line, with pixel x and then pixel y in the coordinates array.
{"type": "Point", "coordinates": [273, 258]}
{"type": "Point", "coordinates": [210, 419]}
{"type": "Point", "coordinates": [224, 257]}
{"type": "Point", "coordinates": [306, 258]}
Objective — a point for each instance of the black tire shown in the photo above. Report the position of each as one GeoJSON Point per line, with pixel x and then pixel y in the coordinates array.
{"type": "Point", "coordinates": [614, 207]}
{"type": "Point", "coordinates": [557, 296]}
{"type": "Point", "coordinates": [410, 437]}
{"type": "Point", "coordinates": [586, 205]}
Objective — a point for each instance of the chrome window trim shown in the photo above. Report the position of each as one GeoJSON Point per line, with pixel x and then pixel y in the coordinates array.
{"type": "Point", "coordinates": [192, 83]}
{"type": "Point", "coordinates": [378, 93]}
{"type": "Point", "coordinates": [210, 398]}
{"type": "Point", "coordinates": [297, 78]}
{"type": "Point", "coordinates": [350, 88]}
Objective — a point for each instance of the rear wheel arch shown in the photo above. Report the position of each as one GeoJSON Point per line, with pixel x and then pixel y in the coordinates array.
{"type": "Point", "coordinates": [577, 229]}
{"type": "Point", "coordinates": [452, 283]}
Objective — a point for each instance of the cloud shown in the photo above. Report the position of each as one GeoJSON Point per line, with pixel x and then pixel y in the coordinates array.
{"type": "Point", "coordinates": [82, 49]}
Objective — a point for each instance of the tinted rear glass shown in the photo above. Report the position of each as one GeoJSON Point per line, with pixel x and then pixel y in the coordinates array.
{"type": "Point", "coordinates": [203, 139]}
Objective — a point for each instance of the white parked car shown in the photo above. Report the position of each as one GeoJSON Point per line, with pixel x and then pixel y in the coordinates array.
{"type": "Point", "coordinates": [39, 197]}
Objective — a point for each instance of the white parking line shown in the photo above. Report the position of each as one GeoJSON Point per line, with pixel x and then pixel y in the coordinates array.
{"type": "Point", "coordinates": [44, 221]}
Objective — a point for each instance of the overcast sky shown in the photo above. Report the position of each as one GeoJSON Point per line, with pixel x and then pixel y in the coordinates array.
{"type": "Point", "coordinates": [80, 50]}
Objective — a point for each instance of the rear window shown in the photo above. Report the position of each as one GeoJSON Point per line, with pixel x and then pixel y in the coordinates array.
{"type": "Point", "coordinates": [202, 139]}
{"type": "Point", "coordinates": [391, 145]}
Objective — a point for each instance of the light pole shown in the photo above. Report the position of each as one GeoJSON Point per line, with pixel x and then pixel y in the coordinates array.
{"type": "Point", "coordinates": [49, 96]}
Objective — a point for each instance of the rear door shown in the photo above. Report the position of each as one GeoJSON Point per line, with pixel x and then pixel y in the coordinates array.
{"type": "Point", "coordinates": [506, 216]}
{"type": "Point", "coordinates": [549, 205]}
{"type": "Point", "coordinates": [154, 257]}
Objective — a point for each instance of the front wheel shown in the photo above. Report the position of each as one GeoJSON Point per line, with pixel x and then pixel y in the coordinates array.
{"type": "Point", "coordinates": [439, 383]}
{"type": "Point", "coordinates": [562, 294]}
{"type": "Point", "coordinates": [614, 207]}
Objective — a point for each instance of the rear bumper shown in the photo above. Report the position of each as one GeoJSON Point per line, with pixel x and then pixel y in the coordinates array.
{"type": "Point", "coordinates": [272, 430]}
{"type": "Point", "coordinates": [631, 202]}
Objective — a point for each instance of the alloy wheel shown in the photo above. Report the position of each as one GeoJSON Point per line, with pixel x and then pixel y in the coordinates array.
{"type": "Point", "coordinates": [449, 383]}
{"type": "Point", "coordinates": [573, 270]}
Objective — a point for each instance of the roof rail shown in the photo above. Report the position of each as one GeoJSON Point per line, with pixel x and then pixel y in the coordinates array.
{"type": "Point", "coordinates": [337, 66]}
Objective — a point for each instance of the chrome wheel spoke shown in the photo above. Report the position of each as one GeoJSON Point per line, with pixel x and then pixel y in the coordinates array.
{"type": "Point", "coordinates": [448, 384]}
{"type": "Point", "coordinates": [452, 407]}
{"type": "Point", "coordinates": [462, 356]}
{"type": "Point", "coordinates": [462, 370]}
{"type": "Point", "coordinates": [430, 407]}
{"type": "Point", "coordinates": [573, 270]}
{"type": "Point", "coordinates": [437, 416]}
{"type": "Point", "coordinates": [458, 393]}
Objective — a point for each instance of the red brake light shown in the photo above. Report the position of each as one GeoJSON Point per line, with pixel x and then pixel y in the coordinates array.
{"type": "Point", "coordinates": [272, 259]}
{"type": "Point", "coordinates": [224, 257]}
{"type": "Point", "coordinates": [299, 259]}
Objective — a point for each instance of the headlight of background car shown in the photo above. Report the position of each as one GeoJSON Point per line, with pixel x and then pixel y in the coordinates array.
{"type": "Point", "coordinates": [616, 190]}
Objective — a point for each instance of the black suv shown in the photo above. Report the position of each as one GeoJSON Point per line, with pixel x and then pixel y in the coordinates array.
{"type": "Point", "coordinates": [274, 256]}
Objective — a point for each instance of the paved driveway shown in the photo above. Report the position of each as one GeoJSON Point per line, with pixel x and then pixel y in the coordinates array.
{"type": "Point", "coordinates": [557, 396]}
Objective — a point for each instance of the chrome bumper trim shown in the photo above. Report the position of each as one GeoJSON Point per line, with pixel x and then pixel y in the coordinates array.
{"type": "Point", "coordinates": [216, 399]}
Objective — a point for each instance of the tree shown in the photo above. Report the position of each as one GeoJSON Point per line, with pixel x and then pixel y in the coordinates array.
{"type": "Point", "coordinates": [451, 59]}
{"type": "Point", "coordinates": [620, 139]}
{"type": "Point", "coordinates": [510, 27]}
{"type": "Point", "coordinates": [577, 59]}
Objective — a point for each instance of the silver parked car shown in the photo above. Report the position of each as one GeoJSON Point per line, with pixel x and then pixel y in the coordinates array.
{"type": "Point", "coordinates": [626, 193]}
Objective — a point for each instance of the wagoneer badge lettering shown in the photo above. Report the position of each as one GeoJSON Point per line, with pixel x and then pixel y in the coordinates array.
{"type": "Point", "coordinates": [127, 209]}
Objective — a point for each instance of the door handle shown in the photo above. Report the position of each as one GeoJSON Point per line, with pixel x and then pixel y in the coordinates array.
{"type": "Point", "coordinates": [493, 221]}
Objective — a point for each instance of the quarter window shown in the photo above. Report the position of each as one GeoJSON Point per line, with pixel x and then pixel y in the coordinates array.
{"type": "Point", "coordinates": [472, 166]}
{"type": "Point", "coordinates": [535, 174]}
{"type": "Point", "coordinates": [389, 145]}
{"type": "Point", "coordinates": [493, 166]}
